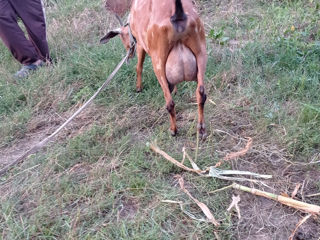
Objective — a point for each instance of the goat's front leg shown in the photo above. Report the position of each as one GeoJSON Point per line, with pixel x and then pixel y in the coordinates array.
{"type": "Point", "coordinates": [141, 54]}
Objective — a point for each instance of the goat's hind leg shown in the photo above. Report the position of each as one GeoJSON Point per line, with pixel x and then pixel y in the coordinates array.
{"type": "Point", "coordinates": [159, 69]}
{"type": "Point", "coordinates": [201, 99]}
{"type": "Point", "coordinates": [201, 95]}
{"type": "Point", "coordinates": [201, 57]}
{"type": "Point", "coordinates": [170, 105]}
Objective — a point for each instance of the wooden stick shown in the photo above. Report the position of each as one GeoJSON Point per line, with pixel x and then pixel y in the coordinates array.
{"type": "Point", "coordinates": [302, 206]}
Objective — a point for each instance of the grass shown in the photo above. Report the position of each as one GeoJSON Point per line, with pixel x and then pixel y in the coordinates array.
{"type": "Point", "coordinates": [100, 181]}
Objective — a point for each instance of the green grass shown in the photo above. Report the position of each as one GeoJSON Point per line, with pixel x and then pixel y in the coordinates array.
{"type": "Point", "coordinates": [99, 180]}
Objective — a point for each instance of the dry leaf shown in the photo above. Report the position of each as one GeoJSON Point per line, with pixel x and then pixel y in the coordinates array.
{"type": "Point", "coordinates": [156, 149]}
{"type": "Point", "coordinates": [203, 207]}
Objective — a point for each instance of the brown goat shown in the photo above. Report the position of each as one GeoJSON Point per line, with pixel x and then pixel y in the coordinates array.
{"type": "Point", "coordinates": [171, 32]}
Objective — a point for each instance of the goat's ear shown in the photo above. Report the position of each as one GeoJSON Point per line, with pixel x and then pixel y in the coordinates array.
{"type": "Point", "coordinates": [110, 35]}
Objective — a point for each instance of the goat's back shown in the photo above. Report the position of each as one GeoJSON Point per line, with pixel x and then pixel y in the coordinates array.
{"type": "Point", "coordinates": [149, 16]}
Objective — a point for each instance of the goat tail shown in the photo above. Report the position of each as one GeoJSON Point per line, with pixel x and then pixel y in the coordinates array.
{"type": "Point", "coordinates": [179, 19]}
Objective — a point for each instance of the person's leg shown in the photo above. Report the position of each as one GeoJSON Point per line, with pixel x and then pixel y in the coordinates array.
{"type": "Point", "coordinates": [13, 37]}
{"type": "Point", "coordinates": [32, 14]}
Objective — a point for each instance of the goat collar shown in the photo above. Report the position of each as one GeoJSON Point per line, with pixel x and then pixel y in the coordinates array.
{"type": "Point", "coordinates": [133, 41]}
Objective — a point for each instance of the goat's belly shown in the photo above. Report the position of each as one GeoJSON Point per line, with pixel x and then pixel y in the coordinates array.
{"type": "Point", "coordinates": [181, 65]}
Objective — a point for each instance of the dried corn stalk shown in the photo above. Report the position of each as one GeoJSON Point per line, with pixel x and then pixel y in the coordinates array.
{"type": "Point", "coordinates": [211, 171]}
{"type": "Point", "coordinates": [306, 207]}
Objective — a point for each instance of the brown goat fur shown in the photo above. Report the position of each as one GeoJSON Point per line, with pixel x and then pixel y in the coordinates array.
{"type": "Point", "coordinates": [172, 34]}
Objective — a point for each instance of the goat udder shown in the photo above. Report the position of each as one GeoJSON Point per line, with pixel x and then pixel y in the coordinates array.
{"type": "Point", "coordinates": [181, 65]}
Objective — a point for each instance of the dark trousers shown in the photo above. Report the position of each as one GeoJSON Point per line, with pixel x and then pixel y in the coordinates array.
{"type": "Point", "coordinates": [26, 51]}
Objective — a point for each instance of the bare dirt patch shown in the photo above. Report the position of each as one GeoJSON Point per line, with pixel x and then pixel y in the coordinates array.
{"type": "Point", "coordinates": [31, 138]}
{"type": "Point", "coordinates": [127, 208]}
{"type": "Point", "coordinates": [42, 126]}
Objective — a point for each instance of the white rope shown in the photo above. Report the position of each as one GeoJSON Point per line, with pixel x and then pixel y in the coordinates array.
{"type": "Point", "coordinates": [41, 144]}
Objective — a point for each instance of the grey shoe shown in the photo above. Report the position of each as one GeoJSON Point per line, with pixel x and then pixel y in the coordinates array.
{"type": "Point", "coordinates": [25, 71]}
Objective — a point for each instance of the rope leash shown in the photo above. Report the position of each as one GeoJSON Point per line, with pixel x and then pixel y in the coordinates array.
{"type": "Point", "coordinates": [41, 144]}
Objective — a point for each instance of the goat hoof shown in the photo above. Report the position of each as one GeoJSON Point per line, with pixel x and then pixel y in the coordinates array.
{"type": "Point", "coordinates": [202, 131]}
{"type": "Point", "coordinates": [138, 89]}
{"type": "Point", "coordinates": [173, 132]}
{"type": "Point", "coordinates": [203, 136]}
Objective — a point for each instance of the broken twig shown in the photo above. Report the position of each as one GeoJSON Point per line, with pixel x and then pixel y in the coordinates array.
{"type": "Point", "coordinates": [234, 204]}
{"type": "Point", "coordinates": [302, 221]}
{"type": "Point", "coordinates": [295, 191]}
{"type": "Point", "coordinates": [313, 195]}
{"type": "Point", "coordinates": [234, 155]}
